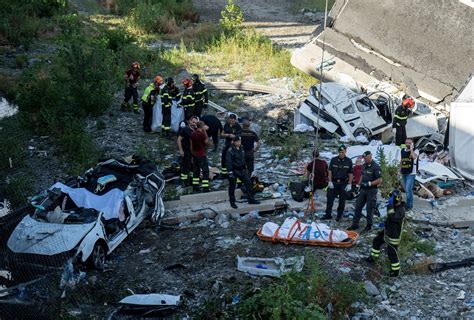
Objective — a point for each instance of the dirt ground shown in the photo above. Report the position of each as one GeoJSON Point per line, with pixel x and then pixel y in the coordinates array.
{"type": "Point", "coordinates": [279, 20]}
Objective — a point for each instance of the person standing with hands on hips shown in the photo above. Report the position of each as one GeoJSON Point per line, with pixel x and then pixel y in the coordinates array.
{"type": "Point", "coordinates": [340, 181]}
{"type": "Point", "coordinates": [408, 169]}
{"type": "Point", "coordinates": [370, 180]}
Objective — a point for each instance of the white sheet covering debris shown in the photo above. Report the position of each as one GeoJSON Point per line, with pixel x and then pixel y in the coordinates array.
{"type": "Point", "coordinates": [273, 267]}
{"type": "Point", "coordinates": [108, 203]}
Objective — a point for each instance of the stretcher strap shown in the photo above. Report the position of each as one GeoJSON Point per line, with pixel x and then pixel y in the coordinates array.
{"type": "Point", "coordinates": [290, 237]}
{"type": "Point", "coordinates": [275, 235]}
{"type": "Point", "coordinates": [330, 236]}
{"type": "Point", "coordinates": [302, 233]}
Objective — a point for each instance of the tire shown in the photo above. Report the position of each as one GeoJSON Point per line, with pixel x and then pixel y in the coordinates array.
{"type": "Point", "coordinates": [362, 131]}
{"type": "Point", "coordinates": [98, 256]}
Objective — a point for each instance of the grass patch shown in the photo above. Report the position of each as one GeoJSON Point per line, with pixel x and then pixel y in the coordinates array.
{"type": "Point", "coordinates": [317, 5]}
{"type": "Point", "coordinates": [303, 295]}
{"type": "Point", "coordinates": [411, 243]}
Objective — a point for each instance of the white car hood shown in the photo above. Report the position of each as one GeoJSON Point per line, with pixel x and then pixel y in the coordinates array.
{"type": "Point", "coordinates": [31, 236]}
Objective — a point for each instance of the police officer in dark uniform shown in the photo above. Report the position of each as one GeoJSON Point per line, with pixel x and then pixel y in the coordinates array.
{"type": "Point", "coordinates": [231, 129]}
{"type": "Point", "coordinates": [251, 144]}
{"type": "Point", "coordinates": [370, 179]}
{"type": "Point", "coordinates": [340, 181]}
{"type": "Point", "coordinates": [236, 165]}
{"type": "Point", "coordinates": [391, 234]}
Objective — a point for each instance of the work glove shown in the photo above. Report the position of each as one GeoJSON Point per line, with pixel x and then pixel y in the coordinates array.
{"type": "Point", "coordinates": [331, 185]}
{"type": "Point", "coordinates": [348, 188]}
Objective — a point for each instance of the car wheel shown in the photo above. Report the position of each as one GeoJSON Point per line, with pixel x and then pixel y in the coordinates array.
{"type": "Point", "coordinates": [98, 255]}
{"type": "Point", "coordinates": [362, 131]}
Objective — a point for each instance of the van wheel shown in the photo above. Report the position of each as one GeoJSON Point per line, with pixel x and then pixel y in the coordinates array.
{"type": "Point", "coordinates": [362, 131]}
{"type": "Point", "coordinates": [98, 255]}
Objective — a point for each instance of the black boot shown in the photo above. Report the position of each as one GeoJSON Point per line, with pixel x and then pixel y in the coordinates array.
{"type": "Point", "coordinates": [338, 218]}
{"type": "Point", "coordinates": [369, 259]}
{"type": "Point", "coordinates": [326, 217]}
{"type": "Point", "coordinates": [233, 205]}
{"type": "Point", "coordinates": [394, 273]}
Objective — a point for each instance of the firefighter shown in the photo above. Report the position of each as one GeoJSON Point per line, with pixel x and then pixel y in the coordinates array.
{"type": "Point", "coordinates": [200, 94]}
{"type": "Point", "coordinates": [148, 101]}
{"type": "Point", "coordinates": [199, 142]}
{"type": "Point", "coordinates": [251, 144]}
{"type": "Point", "coordinates": [237, 170]}
{"type": "Point", "coordinates": [400, 120]}
{"type": "Point", "coordinates": [370, 180]}
{"type": "Point", "coordinates": [184, 147]}
{"type": "Point", "coordinates": [340, 181]}
{"type": "Point", "coordinates": [231, 130]}
{"type": "Point", "coordinates": [391, 234]}
{"type": "Point", "coordinates": [188, 99]}
{"type": "Point", "coordinates": [131, 78]}
{"type": "Point", "coordinates": [169, 93]}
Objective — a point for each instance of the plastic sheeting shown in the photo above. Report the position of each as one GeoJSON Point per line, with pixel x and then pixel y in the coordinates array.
{"type": "Point", "coordinates": [177, 115]}
{"type": "Point", "coordinates": [461, 131]}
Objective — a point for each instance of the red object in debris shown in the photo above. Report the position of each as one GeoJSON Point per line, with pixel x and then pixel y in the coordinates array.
{"type": "Point", "coordinates": [357, 172]}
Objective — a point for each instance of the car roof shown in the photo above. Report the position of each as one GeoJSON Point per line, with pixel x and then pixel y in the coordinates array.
{"type": "Point", "coordinates": [337, 93]}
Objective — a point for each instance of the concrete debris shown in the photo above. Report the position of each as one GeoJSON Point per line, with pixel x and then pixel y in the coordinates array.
{"type": "Point", "coordinates": [370, 288]}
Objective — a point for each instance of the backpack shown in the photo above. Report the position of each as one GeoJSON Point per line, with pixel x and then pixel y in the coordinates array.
{"type": "Point", "coordinates": [297, 191]}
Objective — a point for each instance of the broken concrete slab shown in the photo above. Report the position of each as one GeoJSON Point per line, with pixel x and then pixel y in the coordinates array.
{"type": "Point", "coordinates": [423, 125]}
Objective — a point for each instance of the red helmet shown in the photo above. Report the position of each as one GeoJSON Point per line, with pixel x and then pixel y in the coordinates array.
{"type": "Point", "coordinates": [158, 80]}
{"type": "Point", "coordinates": [136, 65]}
{"type": "Point", "coordinates": [408, 103]}
{"type": "Point", "coordinates": [187, 82]}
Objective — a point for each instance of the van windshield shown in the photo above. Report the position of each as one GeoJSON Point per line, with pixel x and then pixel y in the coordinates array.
{"type": "Point", "coordinates": [364, 104]}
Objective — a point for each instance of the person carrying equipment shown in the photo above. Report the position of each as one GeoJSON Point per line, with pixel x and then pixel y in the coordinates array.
{"type": "Point", "coordinates": [400, 120]}
{"type": "Point", "coordinates": [236, 165]}
{"type": "Point", "coordinates": [231, 130]}
{"type": "Point", "coordinates": [340, 181]}
{"type": "Point", "coordinates": [391, 234]}
{"type": "Point", "coordinates": [131, 78]}
{"type": "Point", "coordinates": [169, 93]}
{"type": "Point", "coordinates": [200, 94]}
{"type": "Point", "coordinates": [148, 101]}
{"type": "Point", "coordinates": [187, 100]}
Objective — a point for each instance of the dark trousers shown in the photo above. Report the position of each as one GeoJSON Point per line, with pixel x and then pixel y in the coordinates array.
{"type": "Point", "coordinates": [147, 116]}
{"type": "Point", "coordinates": [243, 176]}
{"type": "Point", "coordinates": [200, 164]}
{"type": "Point", "coordinates": [198, 108]}
{"type": "Point", "coordinates": [379, 240]}
{"type": "Point", "coordinates": [224, 152]}
{"type": "Point", "coordinates": [400, 135]}
{"type": "Point", "coordinates": [188, 112]}
{"type": "Point", "coordinates": [338, 190]}
{"type": "Point", "coordinates": [129, 93]}
{"type": "Point", "coordinates": [366, 196]}
{"type": "Point", "coordinates": [215, 138]}
{"type": "Point", "coordinates": [166, 124]}
{"type": "Point", "coordinates": [185, 166]}
{"type": "Point", "coordinates": [249, 161]}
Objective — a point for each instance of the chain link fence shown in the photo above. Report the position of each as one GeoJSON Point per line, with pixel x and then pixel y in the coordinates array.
{"type": "Point", "coordinates": [32, 286]}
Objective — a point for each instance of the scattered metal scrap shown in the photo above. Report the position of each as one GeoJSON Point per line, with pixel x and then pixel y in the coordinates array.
{"type": "Point", "coordinates": [439, 267]}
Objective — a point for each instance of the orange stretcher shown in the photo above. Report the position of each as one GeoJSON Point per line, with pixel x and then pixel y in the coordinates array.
{"type": "Point", "coordinates": [352, 240]}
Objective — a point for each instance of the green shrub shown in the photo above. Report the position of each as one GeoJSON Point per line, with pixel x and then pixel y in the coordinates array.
{"type": "Point", "coordinates": [17, 188]}
{"type": "Point", "coordinates": [303, 295]}
{"type": "Point", "coordinates": [232, 18]}
{"type": "Point", "coordinates": [390, 174]}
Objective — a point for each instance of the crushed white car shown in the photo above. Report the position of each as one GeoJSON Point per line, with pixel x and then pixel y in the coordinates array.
{"type": "Point", "coordinates": [88, 217]}
{"type": "Point", "coordinates": [346, 112]}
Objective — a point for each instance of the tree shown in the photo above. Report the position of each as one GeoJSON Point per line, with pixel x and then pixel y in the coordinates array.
{"type": "Point", "coordinates": [232, 18]}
